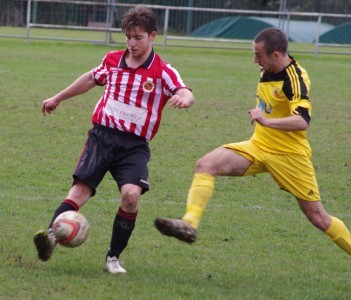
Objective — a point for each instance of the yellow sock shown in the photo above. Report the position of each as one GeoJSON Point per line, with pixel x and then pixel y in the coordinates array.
{"type": "Point", "coordinates": [199, 194]}
{"type": "Point", "coordinates": [338, 232]}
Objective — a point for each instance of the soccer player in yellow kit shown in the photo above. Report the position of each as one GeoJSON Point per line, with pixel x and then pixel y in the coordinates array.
{"type": "Point", "coordinates": [278, 146]}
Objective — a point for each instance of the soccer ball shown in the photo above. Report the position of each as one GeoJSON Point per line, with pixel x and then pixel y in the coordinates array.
{"type": "Point", "coordinates": [71, 229]}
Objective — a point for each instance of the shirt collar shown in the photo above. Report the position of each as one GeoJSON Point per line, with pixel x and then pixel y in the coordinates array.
{"type": "Point", "coordinates": [146, 64]}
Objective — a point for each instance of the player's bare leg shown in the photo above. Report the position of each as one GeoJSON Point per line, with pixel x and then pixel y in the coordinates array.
{"type": "Point", "coordinates": [332, 226]}
{"type": "Point", "coordinates": [221, 161]}
{"type": "Point", "coordinates": [123, 227]}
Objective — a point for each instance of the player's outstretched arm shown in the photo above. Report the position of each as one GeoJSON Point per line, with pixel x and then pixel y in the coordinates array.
{"type": "Point", "coordinates": [81, 85]}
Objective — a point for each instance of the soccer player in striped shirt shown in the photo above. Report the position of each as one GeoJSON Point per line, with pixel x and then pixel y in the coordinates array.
{"type": "Point", "coordinates": [138, 84]}
{"type": "Point", "coordinates": [279, 146]}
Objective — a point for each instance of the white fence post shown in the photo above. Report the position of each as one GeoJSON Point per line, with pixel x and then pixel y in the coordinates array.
{"type": "Point", "coordinates": [316, 42]}
{"type": "Point", "coordinates": [29, 5]}
{"type": "Point", "coordinates": [165, 28]}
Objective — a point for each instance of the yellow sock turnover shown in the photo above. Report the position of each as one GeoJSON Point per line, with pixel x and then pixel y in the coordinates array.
{"type": "Point", "coordinates": [199, 194]}
{"type": "Point", "coordinates": [340, 234]}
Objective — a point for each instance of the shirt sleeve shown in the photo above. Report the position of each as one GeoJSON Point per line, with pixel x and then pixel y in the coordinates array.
{"type": "Point", "coordinates": [172, 79]}
{"type": "Point", "coordinates": [100, 72]}
{"type": "Point", "coordinates": [297, 90]}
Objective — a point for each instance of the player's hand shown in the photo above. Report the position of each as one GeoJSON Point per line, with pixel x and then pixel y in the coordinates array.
{"type": "Point", "coordinates": [257, 115]}
{"type": "Point", "coordinates": [178, 101]}
{"type": "Point", "coordinates": [49, 106]}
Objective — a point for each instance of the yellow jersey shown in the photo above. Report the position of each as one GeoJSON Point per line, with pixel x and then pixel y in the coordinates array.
{"type": "Point", "coordinates": [282, 95]}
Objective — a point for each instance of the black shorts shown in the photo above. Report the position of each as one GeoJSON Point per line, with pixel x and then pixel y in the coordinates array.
{"type": "Point", "coordinates": [124, 155]}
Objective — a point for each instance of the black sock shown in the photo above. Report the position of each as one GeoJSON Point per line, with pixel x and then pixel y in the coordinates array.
{"type": "Point", "coordinates": [66, 205]}
{"type": "Point", "coordinates": [123, 226]}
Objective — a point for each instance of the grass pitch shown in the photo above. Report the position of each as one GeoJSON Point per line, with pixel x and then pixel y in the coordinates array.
{"type": "Point", "coordinates": [254, 243]}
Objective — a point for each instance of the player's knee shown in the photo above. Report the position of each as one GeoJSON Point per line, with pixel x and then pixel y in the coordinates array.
{"type": "Point", "coordinates": [129, 197]}
{"type": "Point", "coordinates": [203, 166]}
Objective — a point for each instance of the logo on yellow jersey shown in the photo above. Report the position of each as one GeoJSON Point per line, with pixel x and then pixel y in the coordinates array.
{"type": "Point", "coordinates": [266, 107]}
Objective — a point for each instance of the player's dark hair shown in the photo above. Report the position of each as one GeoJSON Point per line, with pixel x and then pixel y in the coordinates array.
{"type": "Point", "coordinates": [273, 39]}
{"type": "Point", "coordinates": [139, 16]}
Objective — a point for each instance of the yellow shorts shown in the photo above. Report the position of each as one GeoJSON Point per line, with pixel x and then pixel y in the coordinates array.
{"type": "Point", "coordinates": [292, 172]}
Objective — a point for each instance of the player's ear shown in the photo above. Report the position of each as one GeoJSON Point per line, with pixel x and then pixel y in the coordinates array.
{"type": "Point", "coordinates": [153, 35]}
{"type": "Point", "coordinates": [276, 54]}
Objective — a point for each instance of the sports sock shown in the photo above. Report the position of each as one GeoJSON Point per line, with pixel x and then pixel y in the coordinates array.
{"type": "Point", "coordinates": [338, 232]}
{"type": "Point", "coordinates": [199, 194]}
{"type": "Point", "coordinates": [123, 227]}
{"type": "Point", "coordinates": [66, 205]}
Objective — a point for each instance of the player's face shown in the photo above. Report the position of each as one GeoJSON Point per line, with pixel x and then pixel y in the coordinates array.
{"type": "Point", "coordinates": [266, 61]}
{"type": "Point", "coordinates": [139, 42]}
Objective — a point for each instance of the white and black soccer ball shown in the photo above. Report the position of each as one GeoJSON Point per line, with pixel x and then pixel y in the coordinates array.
{"type": "Point", "coordinates": [71, 229]}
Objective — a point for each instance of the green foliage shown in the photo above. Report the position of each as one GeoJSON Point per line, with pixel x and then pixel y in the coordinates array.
{"type": "Point", "coordinates": [254, 243]}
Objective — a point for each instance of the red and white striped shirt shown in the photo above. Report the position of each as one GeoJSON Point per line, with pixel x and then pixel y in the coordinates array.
{"type": "Point", "coordinates": [133, 99]}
